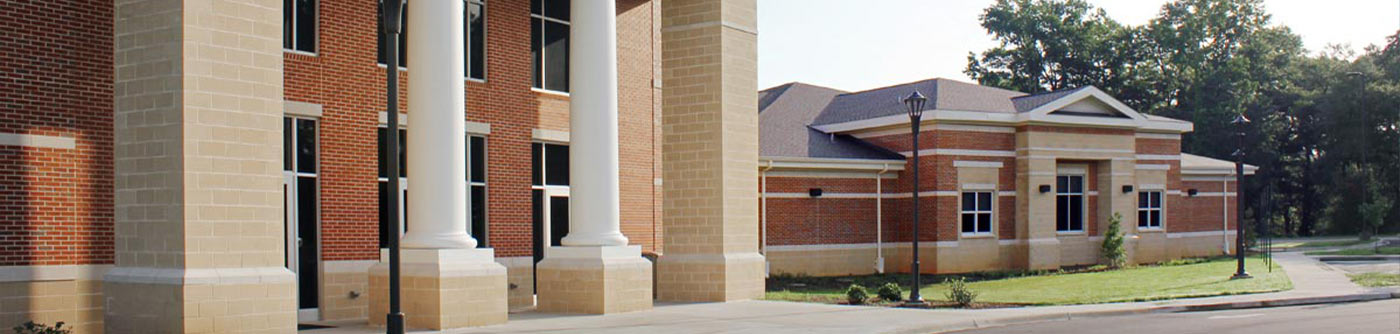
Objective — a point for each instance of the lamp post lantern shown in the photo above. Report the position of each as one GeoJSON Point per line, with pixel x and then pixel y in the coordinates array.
{"type": "Point", "coordinates": [915, 102]}
{"type": "Point", "coordinates": [1240, 123]}
{"type": "Point", "coordinates": [393, 25]}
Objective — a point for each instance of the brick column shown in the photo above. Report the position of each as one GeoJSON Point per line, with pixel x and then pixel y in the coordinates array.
{"type": "Point", "coordinates": [710, 151]}
{"type": "Point", "coordinates": [198, 154]}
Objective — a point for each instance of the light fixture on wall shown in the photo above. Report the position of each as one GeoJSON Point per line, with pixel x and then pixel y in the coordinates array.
{"type": "Point", "coordinates": [814, 192]}
{"type": "Point", "coordinates": [1044, 188]}
{"type": "Point", "coordinates": [1192, 192]}
{"type": "Point", "coordinates": [1127, 188]}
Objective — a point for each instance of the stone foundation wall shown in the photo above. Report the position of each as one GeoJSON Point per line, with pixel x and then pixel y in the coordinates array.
{"type": "Point", "coordinates": [74, 300]}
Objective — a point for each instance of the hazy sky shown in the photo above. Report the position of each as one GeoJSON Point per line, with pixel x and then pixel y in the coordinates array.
{"type": "Point", "coordinates": [856, 45]}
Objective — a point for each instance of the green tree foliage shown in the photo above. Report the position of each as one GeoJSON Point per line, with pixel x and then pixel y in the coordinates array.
{"type": "Point", "coordinates": [1207, 61]}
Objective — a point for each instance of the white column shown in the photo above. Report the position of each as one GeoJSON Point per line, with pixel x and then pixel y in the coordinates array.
{"type": "Point", "coordinates": [593, 173]}
{"type": "Point", "coordinates": [436, 144]}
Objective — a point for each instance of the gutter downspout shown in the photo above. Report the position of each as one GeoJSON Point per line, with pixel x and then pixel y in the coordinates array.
{"type": "Point", "coordinates": [763, 206]}
{"type": "Point", "coordinates": [1225, 218]}
{"type": "Point", "coordinates": [879, 221]}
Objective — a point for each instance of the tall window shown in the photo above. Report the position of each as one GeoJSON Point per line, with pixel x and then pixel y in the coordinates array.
{"type": "Point", "coordinates": [549, 43]}
{"type": "Point", "coordinates": [977, 212]}
{"type": "Point", "coordinates": [476, 183]}
{"type": "Point", "coordinates": [551, 165]}
{"type": "Point", "coordinates": [1149, 209]}
{"type": "Point", "coordinates": [1069, 203]}
{"type": "Point", "coordinates": [299, 25]}
{"type": "Point", "coordinates": [473, 35]}
{"type": "Point", "coordinates": [403, 35]}
{"type": "Point", "coordinates": [385, 221]}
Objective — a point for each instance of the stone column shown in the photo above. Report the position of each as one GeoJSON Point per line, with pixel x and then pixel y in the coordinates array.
{"type": "Point", "coordinates": [1035, 211]}
{"type": "Point", "coordinates": [595, 271]}
{"type": "Point", "coordinates": [710, 151]}
{"type": "Point", "coordinates": [198, 155]}
{"type": "Point", "coordinates": [447, 281]}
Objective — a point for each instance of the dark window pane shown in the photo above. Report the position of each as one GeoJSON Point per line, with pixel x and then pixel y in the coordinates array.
{"type": "Point", "coordinates": [969, 201]}
{"type": "Point", "coordinates": [383, 215]}
{"type": "Point", "coordinates": [984, 201]}
{"type": "Point", "coordinates": [969, 223]}
{"type": "Point", "coordinates": [477, 164]}
{"type": "Point", "coordinates": [1076, 210]}
{"type": "Point", "coordinates": [984, 222]}
{"type": "Point", "coordinates": [537, 216]}
{"type": "Point", "coordinates": [1156, 199]}
{"type": "Point", "coordinates": [556, 169]}
{"type": "Point", "coordinates": [558, 220]}
{"type": "Point", "coordinates": [1142, 219]}
{"type": "Point", "coordinates": [1061, 213]}
{"type": "Point", "coordinates": [537, 168]}
{"type": "Point", "coordinates": [1156, 219]}
{"type": "Point", "coordinates": [287, 143]}
{"type": "Point", "coordinates": [478, 215]}
{"type": "Point", "coordinates": [536, 7]}
{"type": "Point", "coordinates": [536, 50]}
{"type": "Point", "coordinates": [306, 25]}
{"type": "Point", "coordinates": [383, 149]}
{"type": "Point", "coordinates": [403, 153]}
{"type": "Point", "coordinates": [1076, 184]}
{"type": "Point", "coordinates": [307, 228]}
{"type": "Point", "coordinates": [557, 9]}
{"type": "Point", "coordinates": [556, 56]}
{"type": "Point", "coordinates": [476, 41]}
{"type": "Point", "coordinates": [306, 146]}
{"type": "Point", "coordinates": [287, 14]}
{"type": "Point", "coordinates": [1142, 199]}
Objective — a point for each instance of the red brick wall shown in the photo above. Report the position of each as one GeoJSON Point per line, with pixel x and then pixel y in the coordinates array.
{"type": "Point", "coordinates": [345, 79]}
{"type": "Point", "coordinates": [56, 80]}
{"type": "Point", "coordinates": [1200, 213]}
{"type": "Point", "coordinates": [827, 219]}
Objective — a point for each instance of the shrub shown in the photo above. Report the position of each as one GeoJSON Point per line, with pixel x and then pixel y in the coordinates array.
{"type": "Point", "coordinates": [37, 328]}
{"type": "Point", "coordinates": [890, 292]}
{"type": "Point", "coordinates": [959, 293]}
{"type": "Point", "coordinates": [1112, 249]}
{"type": "Point", "coordinates": [856, 294]}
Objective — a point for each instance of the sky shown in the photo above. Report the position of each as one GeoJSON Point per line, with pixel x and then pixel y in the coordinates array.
{"type": "Point", "coordinates": [858, 45]}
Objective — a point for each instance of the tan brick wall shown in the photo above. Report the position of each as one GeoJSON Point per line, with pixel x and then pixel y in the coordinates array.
{"type": "Point", "coordinates": [77, 303]}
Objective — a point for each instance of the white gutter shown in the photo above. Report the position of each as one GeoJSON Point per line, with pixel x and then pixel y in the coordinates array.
{"type": "Point", "coordinates": [879, 221]}
{"type": "Point", "coordinates": [763, 206]}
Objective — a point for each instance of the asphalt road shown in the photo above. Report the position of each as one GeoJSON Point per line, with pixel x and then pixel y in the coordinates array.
{"type": "Point", "coordinates": [1355, 318]}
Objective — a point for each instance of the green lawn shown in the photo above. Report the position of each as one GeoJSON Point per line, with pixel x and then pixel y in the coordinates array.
{"type": "Point", "coordinates": [1375, 280]}
{"type": "Point", "coordinates": [1388, 250]}
{"type": "Point", "coordinates": [1199, 279]}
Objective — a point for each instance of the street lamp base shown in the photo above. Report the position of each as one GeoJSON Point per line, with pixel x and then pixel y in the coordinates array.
{"type": "Point", "coordinates": [1241, 276]}
{"type": "Point", "coordinates": [394, 325]}
{"type": "Point", "coordinates": [915, 303]}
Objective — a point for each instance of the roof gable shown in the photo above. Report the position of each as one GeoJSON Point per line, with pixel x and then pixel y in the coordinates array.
{"type": "Point", "coordinates": [1085, 101]}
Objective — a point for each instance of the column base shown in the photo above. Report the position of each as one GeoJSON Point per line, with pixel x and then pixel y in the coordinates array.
{"type": "Point", "coordinates": [594, 280]}
{"type": "Point", "coordinates": [443, 289]}
{"type": "Point", "coordinates": [710, 277]}
{"type": "Point", "coordinates": [214, 300]}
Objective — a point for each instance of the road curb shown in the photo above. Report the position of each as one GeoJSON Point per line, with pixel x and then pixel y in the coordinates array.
{"type": "Point", "coordinates": [1282, 302]}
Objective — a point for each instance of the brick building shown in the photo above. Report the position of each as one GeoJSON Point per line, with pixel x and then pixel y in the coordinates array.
{"type": "Point", "coordinates": [1008, 180]}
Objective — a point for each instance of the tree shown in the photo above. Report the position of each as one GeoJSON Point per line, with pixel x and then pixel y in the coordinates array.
{"type": "Point", "coordinates": [1112, 248]}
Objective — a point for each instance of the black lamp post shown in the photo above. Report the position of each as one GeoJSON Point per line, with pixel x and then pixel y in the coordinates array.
{"type": "Point", "coordinates": [1241, 123]}
{"type": "Point", "coordinates": [1365, 153]}
{"type": "Point", "coordinates": [392, 24]}
{"type": "Point", "coordinates": [915, 102]}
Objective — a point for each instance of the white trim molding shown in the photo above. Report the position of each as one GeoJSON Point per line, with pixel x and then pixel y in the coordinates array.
{"type": "Point", "coordinates": [89, 272]}
{"type": "Point", "coordinates": [303, 109]}
{"type": "Point", "coordinates": [1152, 167]}
{"type": "Point", "coordinates": [37, 141]}
{"type": "Point", "coordinates": [978, 164]}
{"type": "Point", "coordinates": [971, 153]}
{"type": "Point", "coordinates": [555, 136]}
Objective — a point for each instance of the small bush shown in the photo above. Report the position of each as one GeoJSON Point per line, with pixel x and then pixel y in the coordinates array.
{"type": "Point", "coordinates": [1112, 249]}
{"type": "Point", "coordinates": [856, 294]}
{"type": "Point", "coordinates": [37, 328]}
{"type": "Point", "coordinates": [959, 293]}
{"type": "Point", "coordinates": [890, 292]}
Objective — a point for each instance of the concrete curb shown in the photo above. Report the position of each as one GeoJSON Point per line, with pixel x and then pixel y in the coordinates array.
{"type": "Point", "coordinates": [1334, 258]}
{"type": "Point", "coordinates": [1283, 302]}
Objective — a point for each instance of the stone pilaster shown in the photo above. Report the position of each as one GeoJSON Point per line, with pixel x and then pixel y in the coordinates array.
{"type": "Point", "coordinates": [710, 151]}
{"type": "Point", "coordinates": [198, 130]}
{"type": "Point", "coordinates": [443, 289]}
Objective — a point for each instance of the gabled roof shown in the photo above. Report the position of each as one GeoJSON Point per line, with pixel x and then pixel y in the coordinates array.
{"type": "Point", "coordinates": [943, 94]}
{"type": "Point", "coordinates": [1030, 102]}
{"type": "Point", "coordinates": [784, 113]}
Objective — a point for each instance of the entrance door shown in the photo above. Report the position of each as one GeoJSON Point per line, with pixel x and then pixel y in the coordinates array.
{"type": "Point", "coordinates": [301, 216]}
{"type": "Point", "coordinates": [551, 215]}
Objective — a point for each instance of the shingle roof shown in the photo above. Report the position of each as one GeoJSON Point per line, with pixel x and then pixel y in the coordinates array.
{"type": "Point", "coordinates": [784, 113]}
{"type": "Point", "coordinates": [1030, 102]}
{"type": "Point", "coordinates": [942, 94]}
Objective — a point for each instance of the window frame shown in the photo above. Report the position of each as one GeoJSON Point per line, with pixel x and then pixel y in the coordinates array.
{"type": "Point", "coordinates": [315, 31]}
{"type": "Point", "coordinates": [568, 39]}
{"type": "Point", "coordinates": [485, 70]}
{"type": "Point", "coordinates": [483, 240]}
{"type": "Point", "coordinates": [1083, 207]}
{"type": "Point", "coordinates": [1159, 209]}
{"type": "Point", "coordinates": [977, 212]}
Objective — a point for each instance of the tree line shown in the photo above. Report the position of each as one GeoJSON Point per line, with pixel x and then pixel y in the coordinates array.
{"type": "Point", "coordinates": [1325, 129]}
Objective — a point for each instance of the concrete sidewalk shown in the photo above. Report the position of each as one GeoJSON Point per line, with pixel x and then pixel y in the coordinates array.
{"type": "Point", "coordinates": [1313, 281]}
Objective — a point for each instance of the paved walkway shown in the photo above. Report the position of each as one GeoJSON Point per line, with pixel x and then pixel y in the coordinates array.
{"type": "Point", "coordinates": [1311, 279]}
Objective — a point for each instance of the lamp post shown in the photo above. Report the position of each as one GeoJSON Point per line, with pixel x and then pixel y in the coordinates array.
{"type": "Point", "coordinates": [1240, 123]}
{"type": "Point", "coordinates": [393, 24]}
{"type": "Point", "coordinates": [915, 102]}
{"type": "Point", "coordinates": [1365, 153]}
